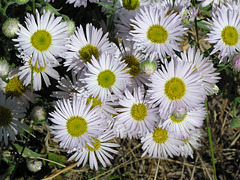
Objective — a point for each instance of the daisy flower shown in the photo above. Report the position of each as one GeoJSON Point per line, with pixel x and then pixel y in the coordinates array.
{"type": "Point", "coordinates": [135, 114]}
{"type": "Point", "coordinates": [76, 123]}
{"type": "Point", "coordinates": [78, 3]}
{"type": "Point", "coordinates": [130, 7]}
{"type": "Point", "coordinates": [68, 87]}
{"type": "Point", "coordinates": [10, 111]}
{"type": "Point", "coordinates": [133, 59]}
{"type": "Point", "coordinates": [83, 47]}
{"type": "Point", "coordinates": [101, 150]}
{"type": "Point", "coordinates": [106, 75]}
{"type": "Point", "coordinates": [25, 73]}
{"type": "Point", "coordinates": [181, 122]}
{"type": "Point", "coordinates": [161, 144]}
{"type": "Point", "coordinates": [44, 39]}
{"type": "Point", "coordinates": [224, 32]}
{"type": "Point", "coordinates": [156, 32]}
{"type": "Point", "coordinates": [204, 66]}
{"type": "Point", "coordinates": [176, 84]}
{"type": "Point", "coordinates": [14, 87]}
{"type": "Point", "coordinates": [193, 141]}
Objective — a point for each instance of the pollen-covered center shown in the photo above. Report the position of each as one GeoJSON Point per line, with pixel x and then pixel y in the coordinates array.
{"type": "Point", "coordinates": [95, 101]}
{"type": "Point", "coordinates": [76, 126]}
{"type": "Point", "coordinates": [133, 64]}
{"type": "Point", "coordinates": [230, 35]}
{"type": "Point", "coordinates": [35, 68]}
{"type": "Point", "coordinates": [160, 135]}
{"type": "Point", "coordinates": [175, 89]}
{"type": "Point", "coordinates": [87, 51]}
{"type": "Point", "coordinates": [41, 40]}
{"type": "Point", "coordinates": [5, 116]}
{"type": "Point", "coordinates": [14, 87]}
{"type": "Point", "coordinates": [130, 4]}
{"type": "Point", "coordinates": [157, 34]}
{"type": "Point", "coordinates": [139, 112]}
{"type": "Point", "coordinates": [106, 78]}
{"type": "Point", "coordinates": [95, 145]}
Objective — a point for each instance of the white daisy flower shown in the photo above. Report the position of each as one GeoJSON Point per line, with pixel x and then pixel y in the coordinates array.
{"type": "Point", "coordinates": [10, 111]}
{"type": "Point", "coordinates": [68, 87]}
{"type": "Point", "coordinates": [135, 114]}
{"type": "Point", "coordinates": [130, 8]}
{"type": "Point", "coordinates": [16, 88]}
{"type": "Point", "coordinates": [25, 73]}
{"type": "Point", "coordinates": [78, 3]}
{"type": "Point", "coordinates": [106, 75]}
{"type": "Point", "coordinates": [225, 32]}
{"type": "Point", "coordinates": [161, 144]}
{"type": "Point", "coordinates": [181, 122]}
{"type": "Point", "coordinates": [193, 141]}
{"type": "Point", "coordinates": [176, 84]}
{"type": "Point", "coordinates": [157, 33]}
{"type": "Point", "coordinates": [133, 59]}
{"type": "Point", "coordinates": [75, 122]}
{"type": "Point", "coordinates": [204, 66]}
{"type": "Point", "coordinates": [101, 150]}
{"type": "Point", "coordinates": [83, 47]}
{"type": "Point", "coordinates": [44, 39]}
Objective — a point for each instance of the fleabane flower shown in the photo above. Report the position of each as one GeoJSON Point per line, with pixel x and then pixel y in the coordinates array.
{"type": "Point", "coordinates": [161, 144]}
{"type": "Point", "coordinates": [75, 123]}
{"type": "Point", "coordinates": [156, 33]}
{"type": "Point", "coordinates": [176, 84]}
{"type": "Point", "coordinates": [78, 3]}
{"type": "Point", "coordinates": [43, 39]}
{"type": "Point", "coordinates": [225, 32]}
{"type": "Point", "coordinates": [133, 59]}
{"type": "Point", "coordinates": [14, 87]}
{"type": "Point", "coordinates": [181, 122]}
{"type": "Point", "coordinates": [99, 152]}
{"type": "Point", "coordinates": [25, 73]}
{"type": "Point", "coordinates": [135, 114]}
{"type": "Point", "coordinates": [10, 111]}
{"type": "Point", "coordinates": [105, 76]}
{"type": "Point", "coordinates": [190, 143]}
{"type": "Point", "coordinates": [84, 45]}
{"type": "Point", "coordinates": [204, 66]}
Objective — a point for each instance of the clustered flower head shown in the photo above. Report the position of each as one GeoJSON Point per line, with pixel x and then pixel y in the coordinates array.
{"type": "Point", "coordinates": [141, 86]}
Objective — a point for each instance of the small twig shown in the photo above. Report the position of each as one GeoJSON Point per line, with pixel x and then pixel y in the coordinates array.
{"type": "Point", "coordinates": [155, 177]}
{"type": "Point", "coordinates": [204, 166]}
{"type": "Point", "coordinates": [150, 168]}
{"type": "Point", "coordinates": [51, 161]}
{"type": "Point", "coordinates": [182, 175]}
{"type": "Point", "coordinates": [193, 171]}
{"type": "Point", "coordinates": [235, 140]}
{"type": "Point", "coordinates": [60, 171]}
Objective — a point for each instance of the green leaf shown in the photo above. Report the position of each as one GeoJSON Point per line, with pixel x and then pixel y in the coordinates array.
{"type": "Point", "coordinates": [107, 6]}
{"type": "Point", "coordinates": [28, 152]}
{"type": "Point", "coordinates": [57, 158]}
{"type": "Point", "coordinates": [235, 123]}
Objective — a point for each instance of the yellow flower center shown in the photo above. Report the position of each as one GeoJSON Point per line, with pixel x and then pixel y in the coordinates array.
{"type": "Point", "coordinates": [175, 89]}
{"type": "Point", "coordinates": [5, 116]}
{"type": "Point", "coordinates": [41, 40]}
{"type": "Point", "coordinates": [106, 78]}
{"type": "Point", "coordinates": [139, 112]}
{"type": "Point", "coordinates": [35, 68]}
{"type": "Point", "coordinates": [130, 4]}
{"type": "Point", "coordinates": [87, 51]}
{"type": "Point", "coordinates": [230, 35]}
{"type": "Point", "coordinates": [15, 87]}
{"type": "Point", "coordinates": [95, 102]}
{"type": "Point", "coordinates": [157, 34]}
{"type": "Point", "coordinates": [160, 135]}
{"type": "Point", "coordinates": [95, 145]}
{"type": "Point", "coordinates": [133, 64]}
{"type": "Point", "coordinates": [76, 126]}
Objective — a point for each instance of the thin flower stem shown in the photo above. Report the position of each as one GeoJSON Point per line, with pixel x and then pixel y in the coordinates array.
{"type": "Point", "coordinates": [155, 177]}
{"type": "Point", "coordinates": [196, 26]}
{"type": "Point", "coordinates": [33, 6]}
{"type": "Point", "coordinates": [210, 141]}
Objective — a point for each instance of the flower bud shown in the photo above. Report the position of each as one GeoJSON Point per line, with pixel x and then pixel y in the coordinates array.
{"type": "Point", "coordinates": [10, 27]}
